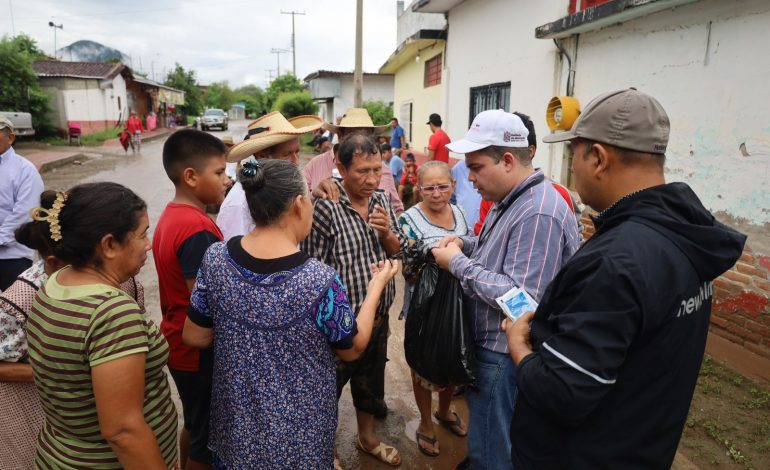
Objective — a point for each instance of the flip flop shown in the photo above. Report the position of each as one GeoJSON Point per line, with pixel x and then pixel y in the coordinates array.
{"type": "Point", "coordinates": [451, 423]}
{"type": "Point", "coordinates": [383, 452]}
{"type": "Point", "coordinates": [431, 441]}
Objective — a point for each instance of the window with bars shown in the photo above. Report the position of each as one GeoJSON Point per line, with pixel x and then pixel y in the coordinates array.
{"type": "Point", "coordinates": [494, 96]}
{"type": "Point", "coordinates": [433, 70]}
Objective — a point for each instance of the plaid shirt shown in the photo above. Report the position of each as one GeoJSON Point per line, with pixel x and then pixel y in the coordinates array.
{"type": "Point", "coordinates": [343, 240]}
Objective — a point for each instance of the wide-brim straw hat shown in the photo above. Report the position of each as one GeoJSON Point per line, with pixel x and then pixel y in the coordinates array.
{"type": "Point", "coordinates": [272, 129]}
{"type": "Point", "coordinates": [356, 118]}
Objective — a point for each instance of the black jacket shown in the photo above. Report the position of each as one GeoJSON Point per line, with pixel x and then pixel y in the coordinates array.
{"type": "Point", "coordinates": [619, 337]}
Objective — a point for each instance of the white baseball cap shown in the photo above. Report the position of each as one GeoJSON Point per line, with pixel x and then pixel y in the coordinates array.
{"type": "Point", "coordinates": [493, 127]}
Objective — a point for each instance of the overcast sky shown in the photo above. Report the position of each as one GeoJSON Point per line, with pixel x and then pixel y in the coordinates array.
{"type": "Point", "coordinates": [219, 39]}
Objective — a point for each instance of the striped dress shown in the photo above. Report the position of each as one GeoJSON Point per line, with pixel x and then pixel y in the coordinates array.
{"type": "Point", "coordinates": [70, 330]}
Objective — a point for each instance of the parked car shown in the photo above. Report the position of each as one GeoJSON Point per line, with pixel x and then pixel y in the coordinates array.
{"type": "Point", "coordinates": [22, 122]}
{"type": "Point", "coordinates": [215, 118]}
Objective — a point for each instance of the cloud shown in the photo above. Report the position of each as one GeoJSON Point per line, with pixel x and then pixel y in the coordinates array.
{"type": "Point", "coordinates": [221, 40]}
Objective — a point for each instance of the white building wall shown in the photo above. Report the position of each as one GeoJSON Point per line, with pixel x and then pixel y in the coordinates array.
{"type": "Point", "coordinates": [409, 22]}
{"type": "Point", "coordinates": [492, 41]}
{"type": "Point", "coordinates": [376, 87]}
{"type": "Point", "coordinates": [713, 85]}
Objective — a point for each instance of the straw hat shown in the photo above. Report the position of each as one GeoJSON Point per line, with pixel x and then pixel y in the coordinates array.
{"type": "Point", "coordinates": [272, 129]}
{"type": "Point", "coordinates": [356, 118]}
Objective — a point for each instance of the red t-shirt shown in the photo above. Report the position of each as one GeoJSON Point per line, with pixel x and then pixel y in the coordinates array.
{"type": "Point", "coordinates": [134, 124]}
{"type": "Point", "coordinates": [182, 235]}
{"type": "Point", "coordinates": [486, 205]}
{"type": "Point", "coordinates": [437, 143]}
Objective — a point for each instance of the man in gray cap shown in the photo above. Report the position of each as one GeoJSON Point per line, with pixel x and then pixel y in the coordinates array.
{"type": "Point", "coordinates": [606, 373]}
{"type": "Point", "coordinates": [20, 188]}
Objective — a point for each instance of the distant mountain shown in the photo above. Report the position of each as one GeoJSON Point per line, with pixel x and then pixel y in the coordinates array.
{"type": "Point", "coordinates": [90, 51]}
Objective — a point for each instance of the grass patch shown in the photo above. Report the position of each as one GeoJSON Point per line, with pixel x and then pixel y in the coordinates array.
{"type": "Point", "coordinates": [97, 138]}
{"type": "Point", "coordinates": [729, 420]}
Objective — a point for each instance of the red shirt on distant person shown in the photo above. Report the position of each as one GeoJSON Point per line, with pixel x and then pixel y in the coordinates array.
{"type": "Point", "coordinates": [134, 125]}
{"type": "Point", "coordinates": [437, 143]}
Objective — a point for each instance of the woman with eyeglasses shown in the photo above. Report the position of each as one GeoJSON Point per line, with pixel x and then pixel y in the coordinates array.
{"type": "Point", "coordinates": [429, 221]}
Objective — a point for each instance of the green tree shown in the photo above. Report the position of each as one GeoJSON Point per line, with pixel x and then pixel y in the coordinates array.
{"type": "Point", "coordinates": [287, 83]}
{"type": "Point", "coordinates": [295, 103]}
{"type": "Point", "coordinates": [380, 112]}
{"type": "Point", "coordinates": [221, 96]}
{"type": "Point", "coordinates": [19, 86]}
{"type": "Point", "coordinates": [253, 96]}
{"type": "Point", "coordinates": [186, 81]}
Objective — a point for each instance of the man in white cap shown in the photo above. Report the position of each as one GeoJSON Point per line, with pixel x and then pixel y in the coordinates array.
{"type": "Point", "coordinates": [607, 372]}
{"type": "Point", "coordinates": [322, 166]}
{"type": "Point", "coordinates": [528, 236]}
{"type": "Point", "coordinates": [20, 188]}
{"type": "Point", "coordinates": [270, 136]}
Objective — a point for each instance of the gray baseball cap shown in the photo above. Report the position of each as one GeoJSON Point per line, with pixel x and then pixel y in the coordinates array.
{"type": "Point", "coordinates": [6, 123]}
{"type": "Point", "coordinates": [627, 119]}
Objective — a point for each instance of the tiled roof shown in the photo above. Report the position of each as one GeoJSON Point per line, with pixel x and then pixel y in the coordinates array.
{"type": "Point", "coordinates": [96, 70]}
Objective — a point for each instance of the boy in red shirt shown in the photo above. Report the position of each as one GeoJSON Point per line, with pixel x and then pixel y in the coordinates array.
{"type": "Point", "coordinates": [195, 162]}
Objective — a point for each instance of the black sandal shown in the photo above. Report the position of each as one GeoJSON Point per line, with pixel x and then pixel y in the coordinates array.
{"type": "Point", "coordinates": [451, 423]}
{"type": "Point", "coordinates": [432, 441]}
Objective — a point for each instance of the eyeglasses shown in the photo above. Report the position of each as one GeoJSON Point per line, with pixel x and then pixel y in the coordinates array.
{"type": "Point", "coordinates": [442, 188]}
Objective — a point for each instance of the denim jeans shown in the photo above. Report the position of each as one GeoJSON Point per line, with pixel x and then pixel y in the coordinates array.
{"type": "Point", "coordinates": [490, 408]}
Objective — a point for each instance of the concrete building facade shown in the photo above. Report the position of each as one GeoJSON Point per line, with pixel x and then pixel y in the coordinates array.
{"type": "Point", "coordinates": [333, 91]}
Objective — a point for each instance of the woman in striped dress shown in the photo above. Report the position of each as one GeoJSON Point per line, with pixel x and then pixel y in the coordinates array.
{"type": "Point", "coordinates": [97, 361]}
{"type": "Point", "coordinates": [21, 414]}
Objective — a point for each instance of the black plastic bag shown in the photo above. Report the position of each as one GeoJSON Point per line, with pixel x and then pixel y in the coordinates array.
{"type": "Point", "coordinates": [437, 339]}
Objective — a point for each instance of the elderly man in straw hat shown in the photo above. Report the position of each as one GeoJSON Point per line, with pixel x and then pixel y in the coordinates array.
{"type": "Point", "coordinates": [270, 136]}
{"type": "Point", "coordinates": [322, 167]}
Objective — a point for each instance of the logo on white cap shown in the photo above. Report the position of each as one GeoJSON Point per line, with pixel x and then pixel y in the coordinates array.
{"type": "Point", "coordinates": [494, 127]}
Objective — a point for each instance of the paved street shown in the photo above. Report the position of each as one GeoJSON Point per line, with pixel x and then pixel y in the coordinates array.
{"type": "Point", "coordinates": [144, 174]}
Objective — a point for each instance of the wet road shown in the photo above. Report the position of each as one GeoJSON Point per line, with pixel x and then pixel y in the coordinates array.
{"type": "Point", "coordinates": [144, 174]}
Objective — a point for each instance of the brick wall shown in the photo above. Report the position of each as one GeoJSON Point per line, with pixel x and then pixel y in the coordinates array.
{"type": "Point", "coordinates": [741, 305]}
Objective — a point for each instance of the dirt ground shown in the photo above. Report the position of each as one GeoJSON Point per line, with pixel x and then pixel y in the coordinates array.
{"type": "Point", "coordinates": [729, 421]}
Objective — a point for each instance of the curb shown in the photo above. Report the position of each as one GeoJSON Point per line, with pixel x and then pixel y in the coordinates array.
{"type": "Point", "coordinates": [48, 166]}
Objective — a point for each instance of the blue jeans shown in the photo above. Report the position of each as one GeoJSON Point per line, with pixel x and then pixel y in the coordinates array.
{"type": "Point", "coordinates": [490, 408]}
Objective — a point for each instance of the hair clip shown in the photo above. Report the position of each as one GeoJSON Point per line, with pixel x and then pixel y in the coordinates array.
{"type": "Point", "coordinates": [51, 216]}
{"type": "Point", "coordinates": [250, 169]}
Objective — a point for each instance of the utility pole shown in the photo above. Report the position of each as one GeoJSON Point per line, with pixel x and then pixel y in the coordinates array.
{"type": "Point", "coordinates": [278, 53]}
{"type": "Point", "coordinates": [293, 43]}
{"type": "Point", "coordinates": [55, 27]}
{"type": "Point", "coordinates": [358, 82]}
{"type": "Point", "coordinates": [13, 25]}
{"type": "Point", "coordinates": [269, 73]}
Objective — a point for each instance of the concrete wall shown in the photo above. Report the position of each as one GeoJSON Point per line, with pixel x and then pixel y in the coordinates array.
{"type": "Point", "coordinates": [96, 104]}
{"type": "Point", "coordinates": [376, 87]}
{"type": "Point", "coordinates": [409, 87]}
{"type": "Point", "coordinates": [409, 22]}
{"type": "Point", "coordinates": [492, 41]}
{"type": "Point", "coordinates": [708, 66]}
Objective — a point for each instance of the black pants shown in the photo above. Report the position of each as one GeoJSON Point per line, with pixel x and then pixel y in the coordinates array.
{"type": "Point", "coordinates": [10, 270]}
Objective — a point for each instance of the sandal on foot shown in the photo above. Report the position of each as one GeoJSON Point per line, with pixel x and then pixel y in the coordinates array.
{"type": "Point", "coordinates": [432, 441]}
{"type": "Point", "coordinates": [451, 423]}
{"type": "Point", "coordinates": [383, 452]}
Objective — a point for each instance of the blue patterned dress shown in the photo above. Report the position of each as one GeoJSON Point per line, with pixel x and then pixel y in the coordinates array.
{"type": "Point", "coordinates": [274, 401]}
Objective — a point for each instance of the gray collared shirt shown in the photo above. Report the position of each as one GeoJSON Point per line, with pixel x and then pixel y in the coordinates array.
{"type": "Point", "coordinates": [20, 188]}
{"type": "Point", "coordinates": [534, 238]}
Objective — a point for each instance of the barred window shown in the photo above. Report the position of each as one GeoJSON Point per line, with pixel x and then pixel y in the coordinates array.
{"type": "Point", "coordinates": [433, 70]}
